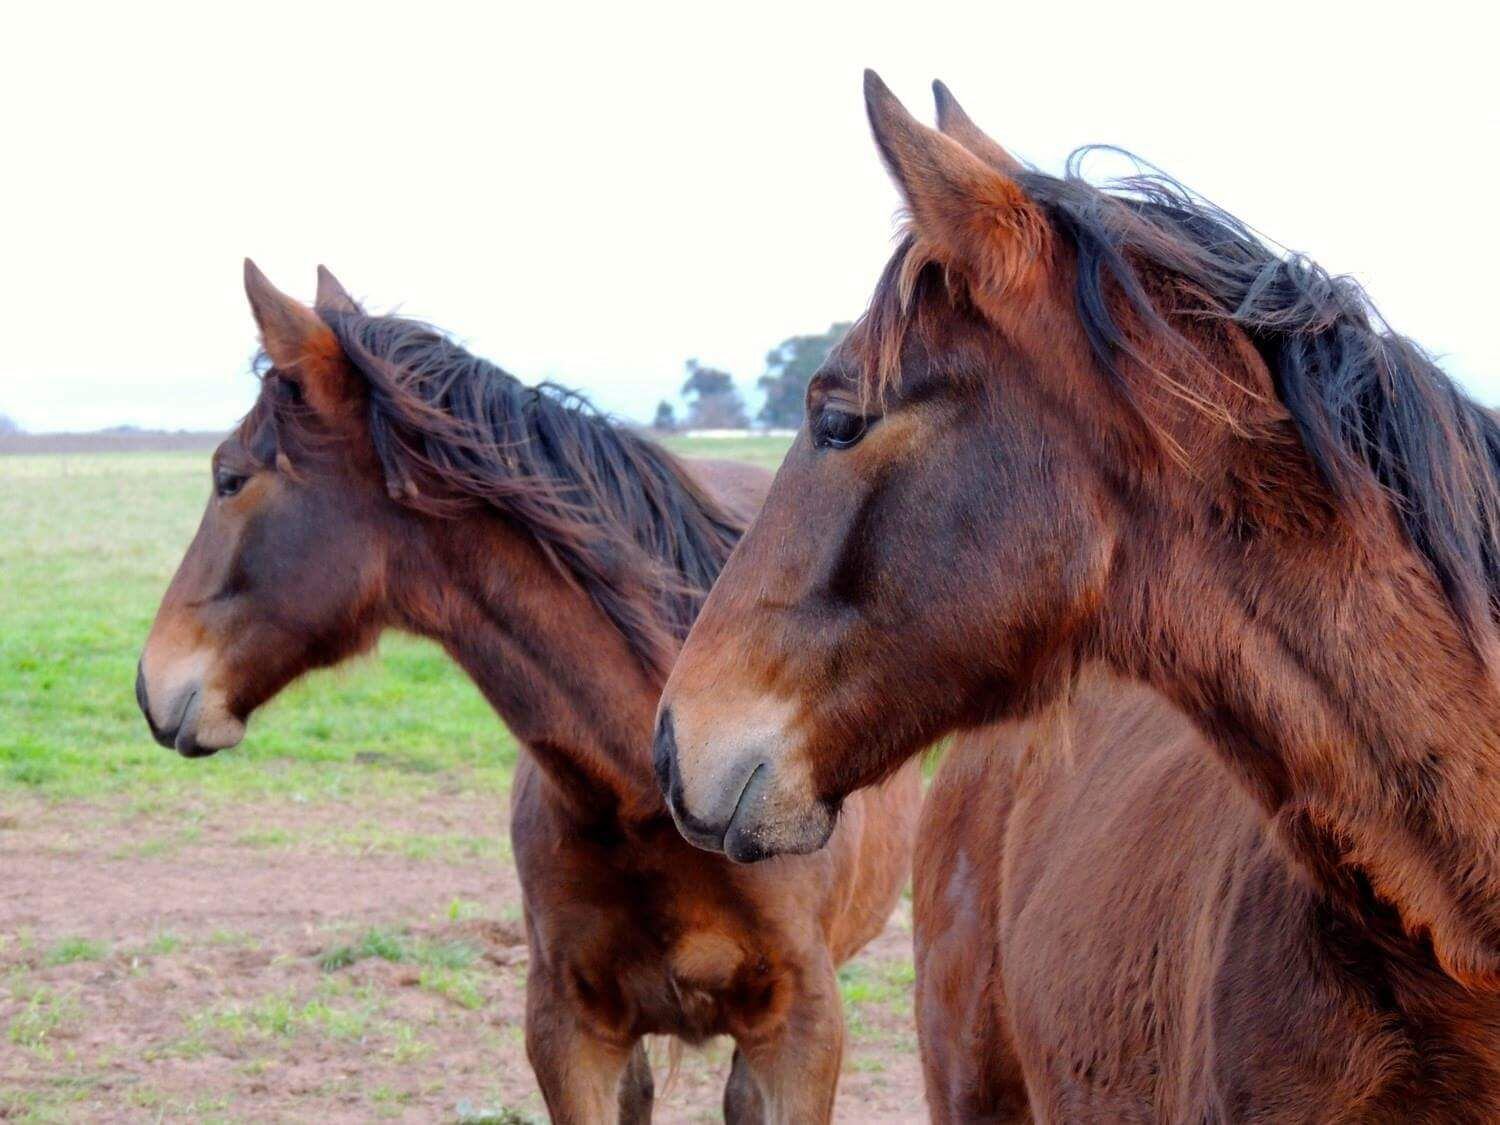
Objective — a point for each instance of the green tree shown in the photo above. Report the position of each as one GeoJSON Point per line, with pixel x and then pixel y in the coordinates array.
{"type": "Point", "coordinates": [666, 417]}
{"type": "Point", "coordinates": [790, 366]}
{"type": "Point", "coordinates": [714, 402]}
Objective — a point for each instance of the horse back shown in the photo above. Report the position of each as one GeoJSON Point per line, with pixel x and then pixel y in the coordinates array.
{"type": "Point", "coordinates": [738, 487]}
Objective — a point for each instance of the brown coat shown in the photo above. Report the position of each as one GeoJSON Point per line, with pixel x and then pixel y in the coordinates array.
{"type": "Point", "coordinates": [386, 478]}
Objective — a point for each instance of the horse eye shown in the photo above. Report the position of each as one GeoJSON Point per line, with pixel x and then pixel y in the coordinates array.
{"type": "Point", "coordinates": [228, 482]}
{"type": "Point", "coordinates": [838, 429]}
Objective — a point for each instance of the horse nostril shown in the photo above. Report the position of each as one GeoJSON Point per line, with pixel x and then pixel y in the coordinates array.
{"type": "Point", "coordinates": [163, 737]}
{"type": "Point", "coordinates": [664, 754]}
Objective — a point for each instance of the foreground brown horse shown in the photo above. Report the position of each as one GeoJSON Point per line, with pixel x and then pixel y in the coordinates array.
{"type": "Point", "coordinates": [388, 479]}
{"type": "Point", "coordinates": [1102, 463]}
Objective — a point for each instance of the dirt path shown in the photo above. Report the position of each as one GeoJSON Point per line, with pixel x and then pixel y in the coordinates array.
{"type": "Point", "coordinates": [296, 963]}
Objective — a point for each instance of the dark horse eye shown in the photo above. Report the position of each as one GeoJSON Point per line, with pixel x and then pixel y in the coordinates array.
{"type": "Point", "coordinates": [227, 482]}
{"type": "Point", "coordinates": [838, 429]}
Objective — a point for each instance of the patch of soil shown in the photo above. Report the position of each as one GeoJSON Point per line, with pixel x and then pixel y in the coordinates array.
{"type": "Point", "coordinates": [146, 974]}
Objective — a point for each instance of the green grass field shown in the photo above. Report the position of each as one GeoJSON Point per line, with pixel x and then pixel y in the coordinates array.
{"type": "Point", "coordinates": [89, 544]}
{"type": "Point", "coordinates": [320, 923]}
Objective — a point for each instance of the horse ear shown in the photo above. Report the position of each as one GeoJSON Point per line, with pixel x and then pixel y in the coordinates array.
{"type": "Point", "coordinates": [302, 348]}
{"type": "Point", "coordinates": [952, 121]}
{"type": "Point", "coordinates": [332, 295]}
{"type": "Point", "coordinates": [973, 215]}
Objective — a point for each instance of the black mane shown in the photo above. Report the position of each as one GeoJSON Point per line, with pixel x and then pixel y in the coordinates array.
{"type": "Point", "coordinates": [1371, 407]}
{"type": "Point", "coordinates": [1376, 415]}
{"type": "Point", "coordinates": [613, 511]}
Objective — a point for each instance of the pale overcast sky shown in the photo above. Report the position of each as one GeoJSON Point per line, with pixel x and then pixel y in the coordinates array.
{"type": "Point", "coordinates": [594, 194]}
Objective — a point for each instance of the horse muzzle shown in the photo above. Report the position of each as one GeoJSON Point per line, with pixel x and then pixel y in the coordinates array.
{"type": "Point", "coordinates": [181, 721]}
{"type": "Point", "coordinates": [742, 806]}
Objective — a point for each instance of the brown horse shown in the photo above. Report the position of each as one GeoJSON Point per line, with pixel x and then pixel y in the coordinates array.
{"type": "Point", "coordinates": [386, 478]}
{"type": "Point", "coordinates": [1102, 462]}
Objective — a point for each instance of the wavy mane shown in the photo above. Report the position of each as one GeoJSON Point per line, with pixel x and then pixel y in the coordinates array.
{"type": "Point", "coordinates": [1378, 418]}
{"type": "Point", "coordinates": [614, 512]}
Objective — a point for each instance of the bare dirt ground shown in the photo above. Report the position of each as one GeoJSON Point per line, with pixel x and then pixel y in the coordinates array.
{"type": "Point", "coordinates": [328, 963]}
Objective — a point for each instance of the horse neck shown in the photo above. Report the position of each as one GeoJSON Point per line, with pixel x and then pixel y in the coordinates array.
{"type": "Point", "coordinates": [546, 658]}
{"type": "Point", "coordinates": [1338, 685]}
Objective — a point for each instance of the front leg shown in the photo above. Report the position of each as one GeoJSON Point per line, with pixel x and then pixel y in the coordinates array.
{"type": "Point", "coordinates": [637, 1088]}
{"type": "Point", "coordinates": [796, 1067]}
{"type": "Point", "coordinates": [580, 1067]}
{"type": "Point", "coordinates": [742, 1101]}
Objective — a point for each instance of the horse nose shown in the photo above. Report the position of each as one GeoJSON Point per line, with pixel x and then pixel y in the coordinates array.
{"type": "Point", "coordinates": [669, 777]}
{"type": "Point", "coordinates": [143, 701]}
{"type": "Point", "coordinates": [664, 759]}
{"type": "Point", "coordinates": [705, 829]}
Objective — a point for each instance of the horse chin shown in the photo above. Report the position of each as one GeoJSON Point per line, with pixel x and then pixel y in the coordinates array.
{"type": "Point", "coordinates": [768, 823]}
{"type": "Point", "coordinates": [207, 728]}
{"type": "Point", "coordinates": [753, 843]}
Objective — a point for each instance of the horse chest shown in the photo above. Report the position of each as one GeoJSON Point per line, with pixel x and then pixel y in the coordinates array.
{"type": "Point", "coordinates": [702, 983]}
{"type": "Point", "coordinates": [663, 946]}
{"type": "Point", "coordinates": [644, 964]}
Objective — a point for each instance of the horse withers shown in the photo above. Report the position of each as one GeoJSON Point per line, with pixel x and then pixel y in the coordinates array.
{"type": "Point", "coordinates": [386, 478]}
{"type": "Point", "coordinates": [1103, 463]}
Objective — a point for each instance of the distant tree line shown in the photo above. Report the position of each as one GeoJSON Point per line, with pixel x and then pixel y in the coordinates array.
{"type": "Point", "coordinates": [714, 401]}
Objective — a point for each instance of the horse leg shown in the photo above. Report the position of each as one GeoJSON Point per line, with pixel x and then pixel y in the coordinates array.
{"type": "Point", "coordinates": [969, 1063]}
{"type": "Point", "coordinates": [579, 1069]}
{"type": "Point", "coordinates": [743, 1104]}
{"type": "Point", "coordinates": [637, 1089]}
{"type": "Point", "coordinates": [969, 1066]}
{"type": "Point", "coordinates": [797, 1067]}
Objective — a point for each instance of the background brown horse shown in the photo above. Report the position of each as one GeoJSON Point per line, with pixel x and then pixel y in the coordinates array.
{"type": "Point", "coordinates": [1104, 461]}
{"type": "Point", "coordinates": [388, 479]}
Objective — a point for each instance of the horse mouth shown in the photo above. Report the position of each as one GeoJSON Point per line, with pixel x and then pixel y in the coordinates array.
{"type": "Point", "coordinates": [702, 833]}
{"type": "Point", "coordinates": [183, 736]}
{"type": "Point", "coordinates": [765, 824]}
{"type": "Point", "coordinates": [186, 740]}
{"type": "Point", "coordinates": [741, 842]}
{"type": "Point", "coordinates": [180, 733]}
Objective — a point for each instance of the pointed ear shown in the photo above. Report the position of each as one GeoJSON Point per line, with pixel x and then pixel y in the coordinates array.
{"type": "Point", "coordinates": [975, 217]}
{"type": "Point", "coordinates": [332, 295]}
{"type": "Point", "coordinates": [954, 122]}
{"type": "Point", "coordinates": [301, 346]}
